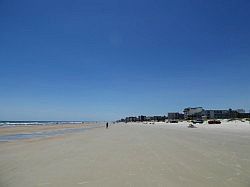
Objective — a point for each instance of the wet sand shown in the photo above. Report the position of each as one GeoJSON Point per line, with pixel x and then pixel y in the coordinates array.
{"type": "Point", "coordinates": [130, 155]}
{"type": "Point", "coordinates": [21, 129]}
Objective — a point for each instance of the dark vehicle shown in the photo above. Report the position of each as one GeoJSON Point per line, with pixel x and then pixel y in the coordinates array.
{"type": "Point", "coordinates": [197, 121]}
{"type": "Point", "coordinates": [214, 122]}
{"type": "Point", "coordinates": [173, 121]}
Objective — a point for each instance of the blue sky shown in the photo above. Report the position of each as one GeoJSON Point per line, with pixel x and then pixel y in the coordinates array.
{"type": "Point", "coordinates": [103, 60]}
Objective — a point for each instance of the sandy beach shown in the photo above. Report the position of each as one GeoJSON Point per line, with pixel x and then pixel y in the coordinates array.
{"type": "Point", "coordinates": [130, 155]}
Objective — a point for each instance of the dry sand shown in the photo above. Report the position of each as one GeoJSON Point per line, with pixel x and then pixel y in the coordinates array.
{"type": "Point", "coordinates": [131, 155]}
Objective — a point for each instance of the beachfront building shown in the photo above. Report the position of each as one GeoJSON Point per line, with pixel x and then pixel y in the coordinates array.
{"type": "Point", "coordinates": [141, 118]}
{"type": "Point", "coordinates": [148, 118]}
{"type": "Point", "coordinates": [175, 116]}
{"type": "Point", "coordinates": [244, 115]}
{"type": "Point", "coordinates": [232, 114]}
{"type": "Point", "coordinates": [193, 113]}
{"type": "Point", "coordinates": [160, 118]}
{"type": "Point", "coordinates": [216, 114]}
{"type": "Point", "coordinates": [155, 118]}
{"type": "Point", "coordinates": [130, 119]}
{"type": "Point", "coordinates": [241, 111]}
{"type": "Point", "coordinates": [200, 113]}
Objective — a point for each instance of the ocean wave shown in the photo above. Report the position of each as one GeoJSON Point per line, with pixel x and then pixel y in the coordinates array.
{"type": "Point", "coordinates": [15, 123]}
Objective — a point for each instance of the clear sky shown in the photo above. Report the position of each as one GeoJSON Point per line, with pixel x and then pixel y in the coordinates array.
{"type": "Point", "coordinates": [103, 60]}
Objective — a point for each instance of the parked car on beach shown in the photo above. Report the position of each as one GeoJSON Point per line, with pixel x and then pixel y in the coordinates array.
{"type": "Point", "coordinates": [214, 122]}
{"type": "Point", "coordinates": [173, 121]}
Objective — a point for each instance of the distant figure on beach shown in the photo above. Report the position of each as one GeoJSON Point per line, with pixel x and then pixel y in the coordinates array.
{"type": "Point", "coordinates": [107, 125]}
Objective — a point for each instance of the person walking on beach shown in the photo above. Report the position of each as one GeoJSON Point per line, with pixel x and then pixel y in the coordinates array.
{"type": "Point", "coordinates": [107, 125]}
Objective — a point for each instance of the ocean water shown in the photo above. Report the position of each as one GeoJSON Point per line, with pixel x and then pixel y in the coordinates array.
{"type": "Point", "coordinates": [13, 123]}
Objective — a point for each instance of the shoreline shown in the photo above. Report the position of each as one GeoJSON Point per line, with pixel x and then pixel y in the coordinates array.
{"type": "Point", "coordinates": [24, 132]}
{"type": "Point", "coordinates": [5, 130]}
